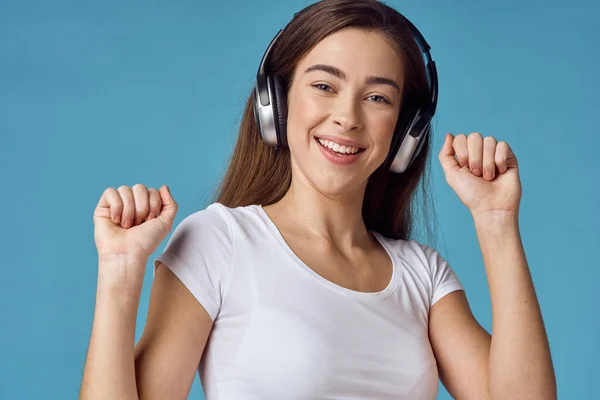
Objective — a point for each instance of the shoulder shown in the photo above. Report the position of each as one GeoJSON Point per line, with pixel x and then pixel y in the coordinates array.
{"type": "Point", "coordinates": [209, 220]}
{"type": "Point", "coordinates": [410, 249]}
{"type": "Point", "coordinates": [425, 264]}
{"type": "Point", "coordinates": [209, 227]}
{"type": "Point", "coordinates": [217, 222]}
{"type": "Point", "coordinates": [416, 255]}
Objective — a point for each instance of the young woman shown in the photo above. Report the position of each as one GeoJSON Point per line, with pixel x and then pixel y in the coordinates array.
{"type": "Point", "coordinates": [302, 281]}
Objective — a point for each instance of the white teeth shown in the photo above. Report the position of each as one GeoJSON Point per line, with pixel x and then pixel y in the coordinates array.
{"type": "Point", "coordinates": [338, 148]}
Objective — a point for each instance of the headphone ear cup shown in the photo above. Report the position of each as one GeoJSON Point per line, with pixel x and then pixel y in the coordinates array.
{"type": "Point", "coordinates": [400, 131]}
{"type": "Point", "coordinates": [279, 109]}
{"type": "Point", "coordinates": [421, 143]}
{"type": "Point", "coordinates": [411, 142]}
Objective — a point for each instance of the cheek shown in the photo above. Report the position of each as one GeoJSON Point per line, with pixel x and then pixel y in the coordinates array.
{"type": "Point", "coordinates": [382, 128]}
{"type": "Point", "coordinates": [302, 109]}
{"type": "Point", "coordinates": [303, 115]}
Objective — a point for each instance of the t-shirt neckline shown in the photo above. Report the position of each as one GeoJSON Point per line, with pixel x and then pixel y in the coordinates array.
{"type": "Point", "coordinates": [339, 289]}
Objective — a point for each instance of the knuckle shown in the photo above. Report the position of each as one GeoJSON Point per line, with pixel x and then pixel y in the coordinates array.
{"type": "Point", "coordinates": [128, 204]}
{"type": "Point", "coordinates": [490, 139]}
{"type": "Point", "coordinates": [154, 196]}
{"type": "Point", "coordinates": [142, 206]}
{"type": "Point", "coordinates": [460, 147]}
{"type": "Point", "coordinates": [116, 202]}
{"type": "Point", "coordinates": [139, 186]}
{"type": "Point", "coordinates": [128, 207]}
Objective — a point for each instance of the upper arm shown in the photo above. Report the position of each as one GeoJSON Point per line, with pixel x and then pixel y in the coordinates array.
{"type": "Point", "coordinates": [169, 351]}
{"type": "Point", "coordinates": [461, 347]}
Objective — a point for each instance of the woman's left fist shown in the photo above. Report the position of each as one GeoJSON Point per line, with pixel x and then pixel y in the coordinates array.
{"type": "Point", "coordinates": [483, 172]}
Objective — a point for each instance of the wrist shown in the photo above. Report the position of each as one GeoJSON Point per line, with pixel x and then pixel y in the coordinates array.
{"type": "Point", "coordinates": [496, 218]}
{"type": "Point", "coordinates": [121, 299]}
{"type": "Point", "coordinates": [121, 275]}
{"type": "Point", "coordinates": [497, 231]}
{"type": "Point", "coordinates": [499, 225]}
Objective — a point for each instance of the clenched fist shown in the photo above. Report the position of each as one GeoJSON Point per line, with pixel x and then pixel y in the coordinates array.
{"type": "Point", "coordinates": [130, 223]}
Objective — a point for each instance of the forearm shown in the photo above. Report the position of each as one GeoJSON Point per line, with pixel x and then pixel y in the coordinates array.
{"type": "Point", "coordinates": [520, 364]}
{"type": "Point", "coordinates": [109, 371]}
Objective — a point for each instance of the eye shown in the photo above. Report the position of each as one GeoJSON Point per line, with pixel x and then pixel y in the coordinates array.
{"type": "Point", "coordinates": [323, 87]}
{"type": "Point", "coordinates": [379, 99]}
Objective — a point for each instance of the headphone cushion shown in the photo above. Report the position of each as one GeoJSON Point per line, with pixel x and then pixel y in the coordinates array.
{"type": "Point", "coordinates": [279, 109]}
{"type": "Point", "coordinates": [426, 133]}
{"type": "Point", "coordinates": [402, 131]}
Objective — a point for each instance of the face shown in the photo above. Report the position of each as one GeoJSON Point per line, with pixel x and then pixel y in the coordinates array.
{"type": "Point", "coordinates": [345, 97]}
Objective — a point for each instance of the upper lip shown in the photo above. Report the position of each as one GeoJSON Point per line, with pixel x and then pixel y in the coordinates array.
{"type": "Point", "coordinates": [343, 142]}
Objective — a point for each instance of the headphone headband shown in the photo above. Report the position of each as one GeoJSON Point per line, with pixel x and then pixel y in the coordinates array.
{"type": "Point", "coordinates": [261, 76]}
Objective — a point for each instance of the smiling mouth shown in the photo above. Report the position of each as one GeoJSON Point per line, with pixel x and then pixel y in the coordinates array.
{"type": "Point", "coordinates": [341, 150]}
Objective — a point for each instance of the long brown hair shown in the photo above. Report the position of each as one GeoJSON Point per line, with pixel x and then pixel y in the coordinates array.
{"type": "Point", "coordinates": [259, 174]}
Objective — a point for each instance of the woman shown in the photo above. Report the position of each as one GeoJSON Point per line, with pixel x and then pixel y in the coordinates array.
{"type": "Point", "coordinates": [301, 281]}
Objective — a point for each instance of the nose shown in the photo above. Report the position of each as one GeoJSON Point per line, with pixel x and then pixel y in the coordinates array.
{"type": "Point", "coordinates": [346, 115]}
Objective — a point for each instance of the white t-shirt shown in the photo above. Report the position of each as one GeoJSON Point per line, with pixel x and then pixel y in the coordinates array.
{"type": "Point", "coordinates": [281, 331]}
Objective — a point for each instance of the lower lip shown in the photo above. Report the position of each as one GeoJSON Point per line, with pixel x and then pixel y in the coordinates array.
{"type": "Point", "coordinates": [337, 158]}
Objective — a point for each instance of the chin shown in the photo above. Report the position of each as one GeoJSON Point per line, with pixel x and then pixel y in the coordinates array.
{"type": "Point", "coordinates": [335, 185]}
{"type": "Point", "coordinates": [333, 181]}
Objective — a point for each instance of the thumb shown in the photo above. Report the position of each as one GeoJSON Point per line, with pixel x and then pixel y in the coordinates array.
{"type": "Point", "coordinates": [446, 156]}
{"type": "Point", "coordinates": [169, 206]}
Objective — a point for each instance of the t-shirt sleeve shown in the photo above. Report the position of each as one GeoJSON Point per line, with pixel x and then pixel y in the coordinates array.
{"type": "Point", "coordinates": [443, 278]}
{"type": "Point", "coordinates": [200, 254]}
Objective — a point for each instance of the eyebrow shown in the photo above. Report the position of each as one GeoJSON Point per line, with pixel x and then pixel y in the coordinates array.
{"type": "Point", "coordinates": [338, 73]}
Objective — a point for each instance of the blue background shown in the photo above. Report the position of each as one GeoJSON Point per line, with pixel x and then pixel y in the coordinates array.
{"type": "Point", "coordinates": [99, 94]}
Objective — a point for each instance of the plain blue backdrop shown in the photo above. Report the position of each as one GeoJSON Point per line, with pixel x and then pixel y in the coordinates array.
{"type": "Point", "coordinates": [99, 94]}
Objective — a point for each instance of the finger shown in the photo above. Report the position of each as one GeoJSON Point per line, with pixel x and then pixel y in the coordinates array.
{"type": "Point", "coordinates": [446, 155]}
{"type": "Point", "coordinates": [460, 148]}
{"type": "Point", "coordinates": [475, 150]}
{"type": "Point", "coordinates": [111, 201]}
{"type": "Point", "coordinates": [128, 213]}
{"type": "Point", "coordinates": [512, 161]}
{"type": "Point", "coordinates": [169, 206]}
{"type": "Point", "coordinates": [505, 158]}
{"type": "Point", "coordinates": [141, 202]}
{"type": "Point", "coordinates": [155, 203]}
{"type": "Point", "coordinates": [489, 153]}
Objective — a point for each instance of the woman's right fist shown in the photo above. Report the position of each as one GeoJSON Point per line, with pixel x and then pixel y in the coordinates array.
{"type": "Point", "coordinates": [130, 223]}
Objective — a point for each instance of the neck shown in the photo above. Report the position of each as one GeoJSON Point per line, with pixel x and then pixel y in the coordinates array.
{"type": "Point", "coordinates": [304, 210]}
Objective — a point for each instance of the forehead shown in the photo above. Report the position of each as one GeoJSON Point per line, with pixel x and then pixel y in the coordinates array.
{"type": "Point", "coordinates": [357, 52]}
